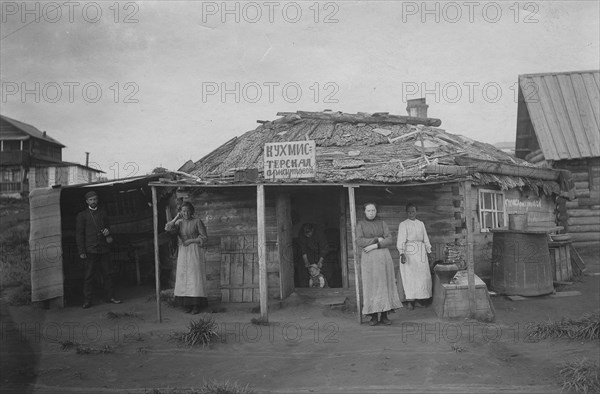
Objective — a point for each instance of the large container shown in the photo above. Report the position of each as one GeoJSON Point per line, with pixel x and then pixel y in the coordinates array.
{"type": "Point", "coordinates": [521, 263]}
{"type": "Point", "coordinates": [517, 221]}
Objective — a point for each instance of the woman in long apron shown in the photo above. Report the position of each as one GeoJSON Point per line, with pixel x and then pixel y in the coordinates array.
{"type": "Point", "coordinates": [414, 247]}
{"type": "Point", "coordinates": [190, 280]}
{"type": "Point", "coordinates": [380, 294]}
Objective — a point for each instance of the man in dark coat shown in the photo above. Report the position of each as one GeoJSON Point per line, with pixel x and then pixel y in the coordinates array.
{"type": "Point", "coordinates": [93, 238]}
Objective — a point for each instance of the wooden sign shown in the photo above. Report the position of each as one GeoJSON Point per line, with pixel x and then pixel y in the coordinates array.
{"type": "Point", "coordinates": [290, 160]}
{"type": "Point", "coordinates": [516, 205]}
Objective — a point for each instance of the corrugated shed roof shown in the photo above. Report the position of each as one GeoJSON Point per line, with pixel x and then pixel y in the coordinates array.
{"type": "Point", "coordinates": [564, 109]}
{"type": "Point", "coordinates": [8, 126]}
{"type": "Point", "coordinates": [376, 148]}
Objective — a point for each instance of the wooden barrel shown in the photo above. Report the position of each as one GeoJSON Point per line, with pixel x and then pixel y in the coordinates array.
{"type": "Point", "coordinates": [521, 263]}
{"type": "Point", "coordinates": [560, 260]}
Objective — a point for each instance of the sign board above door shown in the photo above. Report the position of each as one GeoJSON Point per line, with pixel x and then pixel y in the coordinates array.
{"type": "Point", "coordinates": [290, 160]}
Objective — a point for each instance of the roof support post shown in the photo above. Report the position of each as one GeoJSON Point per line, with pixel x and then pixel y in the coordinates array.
{"type": "Point", "coordinates": [469, 239]}
{"type": "Point", "coordinates": [355, 252]}
{"type": "Point", "coordinates": [262, 251]}
{"type": "Point", "coordinates": [156, 254]}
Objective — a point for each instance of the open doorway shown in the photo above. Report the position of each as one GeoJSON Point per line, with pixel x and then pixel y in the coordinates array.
{"type": "Point", "coordinates": [317, 210]}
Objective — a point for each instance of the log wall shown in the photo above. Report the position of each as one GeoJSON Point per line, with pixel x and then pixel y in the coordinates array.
{"type": "Point", "coordinates": [583, 213]}
{"type": "Point", "coordinates": [229, 213]}
{"type": "Point", "coordinates": [438, 207]}
{"type": "Point", "coordinates": [539, 217]}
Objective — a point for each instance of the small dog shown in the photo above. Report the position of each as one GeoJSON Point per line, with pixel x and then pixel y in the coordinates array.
{"type": "Point", "coordinates": [316, 277]}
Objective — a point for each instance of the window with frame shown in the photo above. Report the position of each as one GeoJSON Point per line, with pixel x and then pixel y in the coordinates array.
{"type": "Point", "coordinates": [491, 209]}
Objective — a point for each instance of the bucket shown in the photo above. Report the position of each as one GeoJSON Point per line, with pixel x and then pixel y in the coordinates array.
{"type": "Point", "coordinates": [517, 221]}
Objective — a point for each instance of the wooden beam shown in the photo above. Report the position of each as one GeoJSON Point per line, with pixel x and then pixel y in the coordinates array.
{"type": "Point", "coordinates": [470, 263]}
{"type": "Point", "coordinates": [262, 251]}
{"type": "Point", "coordinates": [343, 241]}
{"type": "Point", "coordinates": [356, 255]}
{"type": "Point", "coordinates": [366, 118]}
{"type": "Point", "coordinates": [156, 254]}
{"type": "Point", "coordinates": [493, 167]}
{"type": "Point", "coordinates": [439, 169]}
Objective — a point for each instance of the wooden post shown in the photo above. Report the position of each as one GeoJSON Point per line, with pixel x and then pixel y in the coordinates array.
{"type": "Point", "coordinates": [469, 239]}
{"type": "Point", "coordinates": [355, 249]}
{"type": "Point", "coordinates": [343, 241]}
{"type": "Point", "coordinates": [262, 251]}
{"type": "Point", "coordinates": [156, 255]}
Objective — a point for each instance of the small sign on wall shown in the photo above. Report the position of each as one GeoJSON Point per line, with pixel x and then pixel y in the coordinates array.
{"type": "Point", "coordinates": [515, 205]}
{"type": "Point", "coordinates": [290, 160]}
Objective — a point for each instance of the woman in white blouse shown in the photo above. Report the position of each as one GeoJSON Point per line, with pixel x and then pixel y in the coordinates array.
{"type": "Point", "coordinates": [414, 247]}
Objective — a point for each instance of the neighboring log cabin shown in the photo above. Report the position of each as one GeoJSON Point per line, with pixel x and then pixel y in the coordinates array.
{"type": "Point", "coordinates": [462, 189]}
{"type": "Point", "coordinates": [558, 127]}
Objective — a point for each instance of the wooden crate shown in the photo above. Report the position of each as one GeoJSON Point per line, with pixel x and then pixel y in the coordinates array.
{"type": "Point", "coordinates": [452, 300]}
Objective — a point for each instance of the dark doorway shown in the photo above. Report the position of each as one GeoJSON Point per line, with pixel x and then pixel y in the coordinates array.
{"type": "Point", "coordinates": [319, 208]}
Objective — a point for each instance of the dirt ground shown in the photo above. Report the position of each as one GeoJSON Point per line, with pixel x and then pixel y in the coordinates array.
{"type": "Point", "coordinates": [306, 348]}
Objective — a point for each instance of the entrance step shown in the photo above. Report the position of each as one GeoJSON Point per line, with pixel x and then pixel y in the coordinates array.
{"type": "Point", "coordinates": [319, 293]}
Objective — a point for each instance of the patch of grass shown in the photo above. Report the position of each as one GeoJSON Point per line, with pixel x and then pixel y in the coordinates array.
{"type": "Point", "coordinates": [458, 349]}
{"type": "Point", "coordinates": [83, 349]}
{"type": "Point", "coordinates": [18, 295]}
{"type": "Point", "coordinates": [580, 376]}
{"type": "Point", "coordinates": [200, 332]}
{"type": "Point", "coordinates": [118, 315]}
{"type": "Point", "coordinates": [585, 328]}
{"type": "Point", "coordinates": [212, 387]}
{"type": "Point", "coordinates": [15, 260]}
{"type": "Point", "coordinates": [68, 345]}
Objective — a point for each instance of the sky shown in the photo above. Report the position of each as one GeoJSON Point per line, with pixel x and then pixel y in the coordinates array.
{"type": "Point", "coordinates": [151, 84]}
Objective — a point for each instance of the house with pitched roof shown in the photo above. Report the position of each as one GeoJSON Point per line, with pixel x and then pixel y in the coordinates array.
{"type": "Point", "coordinates": [255, 191]}
{"type": "Point", "coordinates": [558, 126]}
{"type": "Point", "coordinates": [32, 159]}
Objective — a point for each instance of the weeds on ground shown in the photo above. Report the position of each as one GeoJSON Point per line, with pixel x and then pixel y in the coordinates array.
{"type": "Point", "coordinates": [585, 328]}
{"type": "Point", "coordinates": [200, 332]}
{"type": "Point", "coordinates": [580, 376]}
{"type": "Point", "coordinates": [213, 387]}
{"type": "Point", "coordinates": [83, 349]}
{"type": "Point", "coordinates": [118, 315]}
{"type": "Point", "coordinates": [18, 295]}
{"type": "Point", "coordinates": [68, 345]}
{"type": "Point", "coordinates": [15, 261]}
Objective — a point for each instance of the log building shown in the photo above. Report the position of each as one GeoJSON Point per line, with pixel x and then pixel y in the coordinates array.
{"type": "Point", "coordinates": [558, 126]}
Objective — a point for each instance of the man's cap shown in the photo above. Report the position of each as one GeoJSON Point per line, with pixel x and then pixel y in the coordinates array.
{"type": "Point", "coordinates": [313, 266]}
{"type": "Point", "coordinates": [91, 194]}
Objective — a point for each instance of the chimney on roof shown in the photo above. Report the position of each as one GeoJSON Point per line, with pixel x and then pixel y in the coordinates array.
{"type": "Point", "coordinates": [87, 159]}
{"type": "Point", "coordinates": [417, 108]}
{"type": "Point", "coordinates": [44, 133]}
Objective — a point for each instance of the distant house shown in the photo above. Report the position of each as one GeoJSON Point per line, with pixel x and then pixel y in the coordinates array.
{"type": "Point", "coordinates": [558, 126]}
{"type": "Point", "coordinates": [32, 159]}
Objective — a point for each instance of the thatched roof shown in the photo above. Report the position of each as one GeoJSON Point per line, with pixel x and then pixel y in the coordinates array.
{"type": "Point", "coordinates": [364, 148]}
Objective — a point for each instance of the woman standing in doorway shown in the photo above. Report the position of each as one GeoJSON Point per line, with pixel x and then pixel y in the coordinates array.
{"type": "Point", "coordinates": [380, 294]}
{"type": "Point", "coordinates": [190, 281]}
{"type": "Point", "coordinates": [414, 247]}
